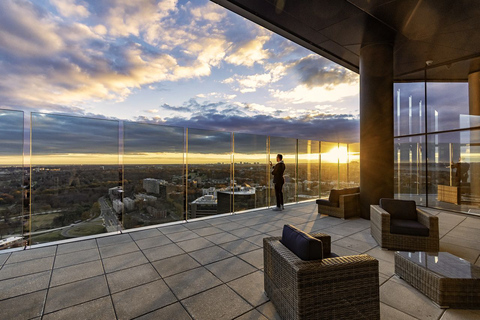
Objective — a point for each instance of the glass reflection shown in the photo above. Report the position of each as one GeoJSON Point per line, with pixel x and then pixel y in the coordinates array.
{"type": "Point", "coordinates": [14, 190]}
{"type": "Point", "coordinates": [75, 176]}
{"type": "Point", "coordinates": [409, 108]}
{"type": "Point", "coordinates": [410, 169]}
{"type": "Point", "coordinates": [250, 173]}
{"type": "Point", "coordinates": [330, 157]}
{"type": "Point", "coordinates": [153, 175]}
{"type": "Point", "coordinates": [353, 164]}
{"type": "Point", "coordinates": [308, 169]}
{"type": "Point", "coordinates": [209, 175]}
{"type": "Point", "coordinates": [454, 170]}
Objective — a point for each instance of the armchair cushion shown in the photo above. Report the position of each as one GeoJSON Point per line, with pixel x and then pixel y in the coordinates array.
{"type": "Point", "coordinates": [301, 244]}
{"type": "Point", "coordinates": [408, 227]}
{"type": "Point", "coordinates": [400, 209]}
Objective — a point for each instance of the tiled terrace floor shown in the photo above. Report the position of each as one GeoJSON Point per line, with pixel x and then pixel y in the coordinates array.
{"type": "Point", "coordinates": [210, 269]}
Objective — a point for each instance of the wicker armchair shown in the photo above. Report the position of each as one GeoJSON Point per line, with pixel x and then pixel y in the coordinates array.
{"type": "Point", "coordinates": [343, 203]}
{"type": "Point", "coordinates": [331, 288]}
{"type": "Point", "coordinates": [380, 227]}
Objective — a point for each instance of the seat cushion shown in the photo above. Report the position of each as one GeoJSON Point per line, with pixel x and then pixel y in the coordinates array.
{"type": "Point", "coordinates": [302, 244]}
{"type": "Point", "coordinates": [400, 209]}
{"type": "Point", "coordinates": [327, 203]}
{"type": "Point", "coordinates": [408, 227]}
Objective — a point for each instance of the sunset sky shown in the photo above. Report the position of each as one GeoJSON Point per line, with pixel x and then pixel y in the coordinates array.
{"type": "Point", "coordinates": [180, 63]}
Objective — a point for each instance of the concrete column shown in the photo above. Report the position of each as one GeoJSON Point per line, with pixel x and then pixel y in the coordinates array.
{"type": "Point", "coordinates": [376, 125]}
{"type": "Point", "coordinates": [474, 106]}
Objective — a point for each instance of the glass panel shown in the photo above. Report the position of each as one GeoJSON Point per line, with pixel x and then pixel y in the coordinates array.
{"type": "Point", "coordinates": [308, 169]}
{"type": "Point", "coordinates": [410, 169]}
{"type": "Point", "coordinates": [288, 148]}
{"type": "Point", "coordinates": [354, 164]}
{"type": "Point", "coordinates": [209, 178]}
{"type": "Point", "coordinates": [329, 167]}
{"type": "Point", "coordinates": [14, 213]}
{"type": "Point", "coordinates": [153, 173]}
{"type": "Point", "coordinates": [409, 108]}
{"type": "Point", "coordinates": [250, 171]}
{"type": "Point", "coordinates": [453, 169]}
{"type": "Point", "coordinates": [75, 176]}
{"type": "Point", "coordinates": [343, 167]}
{"type": "Point", "coordinates": [448, 107]}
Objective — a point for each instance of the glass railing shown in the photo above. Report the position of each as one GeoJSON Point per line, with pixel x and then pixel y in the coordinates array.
{"type": "Point", "coordinates": [90, 176]}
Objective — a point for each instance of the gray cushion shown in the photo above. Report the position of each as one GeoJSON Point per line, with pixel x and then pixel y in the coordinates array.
{"type": "Point", "coordinates": [408, 227]}
{"type": "Point", "coordinates": [301, 244]}
{"type": "Point", "coordinates": [400, 209]}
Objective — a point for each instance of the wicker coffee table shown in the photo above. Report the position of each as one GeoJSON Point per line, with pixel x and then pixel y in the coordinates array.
{"type": "Point", "coordinates": [450, 281]}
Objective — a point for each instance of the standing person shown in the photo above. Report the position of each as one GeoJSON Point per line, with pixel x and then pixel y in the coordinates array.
{"type": "Point", "coordinates": [278, 180]}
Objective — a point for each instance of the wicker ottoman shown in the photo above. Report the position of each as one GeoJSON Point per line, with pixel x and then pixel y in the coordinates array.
{"type": "Point", "coordinates": [450, 281]}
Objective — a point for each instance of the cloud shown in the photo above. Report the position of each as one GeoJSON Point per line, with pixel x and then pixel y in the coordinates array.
{"type": "Point", "coordinates": [305, 94]}
{"type": "Point", "coordinates": [250, 83]}
{"type": "Point", "coordinates": [250, 52]}
{"type": "Point", "coordinates": [210, 11]}
{"type": "Point", "coordinates": [69, 8]}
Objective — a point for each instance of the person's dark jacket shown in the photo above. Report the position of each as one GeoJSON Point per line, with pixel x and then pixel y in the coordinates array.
{"type": "Point", "coordinates": [278, 171]}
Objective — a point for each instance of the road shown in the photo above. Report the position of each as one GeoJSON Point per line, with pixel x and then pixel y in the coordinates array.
{"type": "Point", "coordinates": [109, 217]}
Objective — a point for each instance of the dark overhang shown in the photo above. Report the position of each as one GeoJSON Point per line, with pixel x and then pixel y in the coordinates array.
{"type": "Point", "coordinates": [442, 31]}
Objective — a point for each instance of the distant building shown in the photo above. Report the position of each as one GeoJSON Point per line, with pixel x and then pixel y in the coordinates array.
{"type": "Point", "coordinates": [156, 186]}
{"type": "Point", "coordinates": [204, 206]}
{"type": "Point", "coordinates": [150, 200]}
{"type": "Point", "coordinates": [115, 193]}
{"type": "Point", "coordinates": [129, 204]}
{"type": "Point", "coordinates": [236, 198]}
{"type": "Point", "coordinates": [117, 206]}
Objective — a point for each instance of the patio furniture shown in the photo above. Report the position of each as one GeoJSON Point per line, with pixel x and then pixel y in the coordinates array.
{"type": "Point", "coordinates": [327, 288]}
{"type": "Point", "coordinates": [450, 281]}
{"type": "Point", "coordinates": [342, 203]}
{"type": "Point", "coordinates": [400, 225]}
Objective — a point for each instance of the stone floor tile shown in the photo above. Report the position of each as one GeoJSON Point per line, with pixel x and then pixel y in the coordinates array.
{"type": "Point", "coordinates": [220, 303]}
{"type": "Point", "coordinates": [207, 231]}
{"type": "Point", "coordinates": [355, 244]}
{"type": "Point", "coordinates": [268, 310]}
{"type": "Point", "coordinates": [239, 246]}
{"type": "Point", "coordinates": [382, 278]}
{"type": "Point", "coordinates": [174, 265]}
{"type": "Point", "coordinates": [23, 285]}
{"type": "Point", "coordinates": [128, 278]}
{"type": "Point", "coordinates": [192, 282]}
{"type": "Point", "coordinates": [229, 226]}
{"type": "Point", "coordinates": [209, 255]}
{"type": "Point", "coordinates": [26, 267]}
{"type": "Point", "coordinates": [163, 252]}
{"type": "Point", "coordinates": [183, 235]}
{"type": "Point", "coordinates": [116, 250]}
{"type": "Point", "coordinates": [245, 232]}
{"type": "Point", "coordinates": [387, 312]}
{"type": "Point", "coordinates": [152, 242]}
{"type": "Point", "coordinates": [222, 237]}
{"type": "Point", "coordinates": [76, 246]}
{"type": "Point", "coordinates": [3, 258]}
{"type": "Point", "coordinates": [69, 259]}
{"type": "Point", "coordinates": [382, 254]}
{"type": "Point", "coordinates": [138, 235]}
{"type": "Point", "coordinates": [457, 314]}
{"type": "Point", "coordinates": [23, 307]}
{"type": "Point", "coordinates": [342, 251]}
{"type": "Point", "coordinates": [252, 315]}
{"type": "Point", "coordinates": [74, 293]}
{"type": "Point", "coordinates": [219, 220]}
{"type": "Point", "coordinates": [195, 244]}
{"type": "Point", "coordinates": [468, 254]}
{"type": "Point", "coordinates": [124, 261]}
{"type": "Point", "coordinates": [401, 296]}
{"type": "Point", "coordinates": [93, 310]}
{"type": "Point", "coordinates": [174, 311]}
{"type": "Point", "coordinates": [470, 222]}
{"type": "Point", "coordinates": [173, 228]}
{"type": "Point", "coordinates": [114, 240]}
{"type": "Point", "coordinates": [140, 300]}
{"type": "Point", "coordinates": [76, 272]}
{"type": "Point", "coordinates": [250, 287]}
{"type": "Point", "coordinates": [264, 228]}
{"type": "Point", "coordinates": [192, 225]}
{"type": "Point", "coordinates": [230, 268]}
{"type": "Point", "coordinates": [386, 268]}
{"type": "Point", "coordinates": [255, 258]}
{"type": "Point", "coordinates": [31, 254]}
{"type": "Point", "coordinates": [345, 229]}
